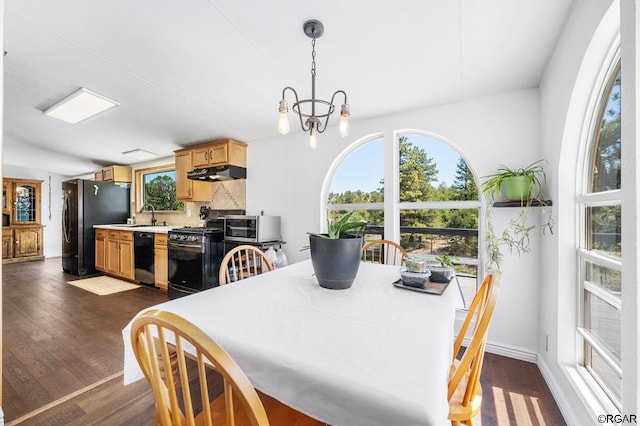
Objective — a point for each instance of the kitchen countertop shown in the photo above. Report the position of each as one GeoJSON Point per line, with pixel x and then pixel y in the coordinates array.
{"type": "Point", "coordinates": [137, 227]}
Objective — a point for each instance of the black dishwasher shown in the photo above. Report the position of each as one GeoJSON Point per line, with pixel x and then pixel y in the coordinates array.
{"type": "Point", "coordinates": [144, 259]}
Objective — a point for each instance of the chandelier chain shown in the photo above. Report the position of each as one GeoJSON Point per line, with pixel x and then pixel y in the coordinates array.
{"type": "Point", "coordinates": [313, 56]}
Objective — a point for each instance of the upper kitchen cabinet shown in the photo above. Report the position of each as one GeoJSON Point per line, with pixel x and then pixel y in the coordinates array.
{"type": "Point", "coordinates": [187, 189]}
{"type": "Point", "coordinates": [22, 228]}
{"type": "Point", "coordinates": [114, 173]}
{"type": "Point", "coordinates": [20, 201]}
{"type": "Point", "coordinates": [220, 153]}
{"type": "Point", "coordinates": [217, 153]}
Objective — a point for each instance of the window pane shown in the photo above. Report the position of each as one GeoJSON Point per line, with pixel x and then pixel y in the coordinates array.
{"type": "Point", "coordinates": [359, 178]}
{"type": "Point", "coordinates": [447, 231]}
{"type": "Point", "coordinates": [605, 169]}
{"type": "Point", "coordinates": [430, 170]}
{"type": "Point", "coordinates": [374, 219]}
{"type": "Point", "coordinates": [160, 190]}
{"type": "Point", "coordinates": [604, 226]}
{"type": "Point", "coordinates": [603, 321]}
{"type": "Point", "coordinates": [605, 278]}
{"type": "Point", "coordinates": [603, 372]}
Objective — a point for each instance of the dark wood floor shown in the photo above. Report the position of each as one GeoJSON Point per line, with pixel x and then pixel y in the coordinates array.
{"type": "Point", "coordinates": [59, 339]}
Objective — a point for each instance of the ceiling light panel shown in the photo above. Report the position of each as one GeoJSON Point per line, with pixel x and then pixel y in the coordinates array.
{"type": "Point", "coordinates": [140, 154]}
{"type": "Point", "coordinates": [80, 105]}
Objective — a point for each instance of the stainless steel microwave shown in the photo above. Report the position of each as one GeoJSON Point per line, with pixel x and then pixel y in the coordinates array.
{"type": "Point", "coordinates": [251, 229]}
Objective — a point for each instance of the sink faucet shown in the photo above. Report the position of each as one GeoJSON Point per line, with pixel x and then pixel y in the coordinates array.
{"type": "Point", "coordinates": [153, 213]}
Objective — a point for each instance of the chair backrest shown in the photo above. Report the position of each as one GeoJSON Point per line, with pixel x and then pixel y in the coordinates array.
{"type": "Point", "coordinates": [383, 251]}
{"type": "Point", "coordinates": [480, 312]}
{"type": "Point", "coordinates": [243, 262]}
{"type": "Point", "coordinates": [160, 342]}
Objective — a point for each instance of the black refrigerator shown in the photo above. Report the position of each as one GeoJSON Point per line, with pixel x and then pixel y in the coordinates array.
{"type": "Point", "coordinates": [87, 203]}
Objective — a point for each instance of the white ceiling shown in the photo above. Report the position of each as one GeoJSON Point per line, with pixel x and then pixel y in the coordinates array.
{"type": "Point", "coordinates": [189, 71]}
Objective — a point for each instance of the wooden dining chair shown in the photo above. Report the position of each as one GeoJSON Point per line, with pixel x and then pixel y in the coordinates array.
{"type": "Point", "coordinates": [175, 357]}
{"type": "Point", "coordinates": [464, 389]}
{"type": "Point", "coordinates": [383, 251]}
{"type": "Point", "coordinates": [243, 262]}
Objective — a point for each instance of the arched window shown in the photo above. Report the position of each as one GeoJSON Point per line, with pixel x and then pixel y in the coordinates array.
{"type": "Point", "coordinates": [358, 184]}
{"type": "Point", "coordinates": [599, 247]}
{"type": "Point", "coordinates": [436, 205]}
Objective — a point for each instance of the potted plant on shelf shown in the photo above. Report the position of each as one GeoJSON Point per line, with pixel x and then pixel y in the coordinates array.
{"type": "Point", "coordinates": [524, 186]}
{"type": "Point", "coordinates": [442, 271]}
{"type": "Point", "coordinates": [336, 255]}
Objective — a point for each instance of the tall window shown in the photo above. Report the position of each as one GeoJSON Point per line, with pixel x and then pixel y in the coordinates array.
{"type": "Point", "coordinates": [358, 184]}
{"type": "Point", "coordinates": [599, 251]}
{"type": "Point", "coordinates": [156, 186]}
{"type": "Point", "coordinates": [437, 203]}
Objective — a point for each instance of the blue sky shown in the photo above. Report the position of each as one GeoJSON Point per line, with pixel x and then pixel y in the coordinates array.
{"type": "Point", "coordinates": [364, 168]}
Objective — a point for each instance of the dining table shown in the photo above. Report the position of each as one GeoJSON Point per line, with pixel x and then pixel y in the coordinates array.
{"type": "Point", "coordinates": [372, 354]}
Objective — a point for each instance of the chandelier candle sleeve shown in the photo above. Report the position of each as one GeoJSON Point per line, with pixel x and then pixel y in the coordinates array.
{"type": "Point", "coordinates": [313, 113]}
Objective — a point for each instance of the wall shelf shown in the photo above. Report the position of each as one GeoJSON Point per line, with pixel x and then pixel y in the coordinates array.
{"type": "Point", "coordinates": [532, 203]}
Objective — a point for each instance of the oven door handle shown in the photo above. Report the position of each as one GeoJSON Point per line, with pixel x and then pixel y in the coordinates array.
{"type": "Point", "coordinates": [189, 246]}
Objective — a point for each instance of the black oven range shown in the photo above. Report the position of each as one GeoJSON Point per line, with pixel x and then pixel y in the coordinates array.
{"type": "Point", "coordinates": [195, 254]}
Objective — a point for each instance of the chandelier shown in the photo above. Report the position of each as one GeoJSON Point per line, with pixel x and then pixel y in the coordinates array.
{"type": "Point", "coordinates": [313, 113]}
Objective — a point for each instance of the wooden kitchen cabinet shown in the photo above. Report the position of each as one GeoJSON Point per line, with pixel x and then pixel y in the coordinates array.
{"type": "Point", "coordinates": [161, 260]}
{"type": "Point", "coordinates": [27, 242]}
{"type": "Point", "coordinates": [7, 243]}
{"type": "Point", "coordinates": [187, 189]}
{"type": "Point", "coordinates": [101, 249]}
{"type": "Point", "coordinates": [22, 229]}
{"type": "Point", "coordinates": [119, 259]}
{"type": "Point", "coordinates": [114, 173]}
{"type": "Point", "coordinates": [218, 153]}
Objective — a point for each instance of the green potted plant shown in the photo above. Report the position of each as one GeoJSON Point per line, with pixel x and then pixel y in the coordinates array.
{"type": "Point", "coordinates": [442, 271]}
{"type": "Point", "coordinates": [524, 185]}
{"type": "Point", "coordinates": [336, 255]}
{"type": "Point", "coordinates": [515, 184]}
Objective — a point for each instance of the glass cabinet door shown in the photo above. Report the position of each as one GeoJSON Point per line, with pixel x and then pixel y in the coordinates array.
{"type": "Point", "coordinates": [25, 203]}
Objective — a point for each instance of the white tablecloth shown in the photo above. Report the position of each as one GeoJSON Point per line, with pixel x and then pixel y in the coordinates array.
{"type": "Point", "coordinates": [373, 354]}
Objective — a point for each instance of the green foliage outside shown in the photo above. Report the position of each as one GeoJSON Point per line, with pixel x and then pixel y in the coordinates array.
{"type": "Point", "coordinates": [160, 192]}
{"type": "Point", "coordinates": [418, 182]}
{"type": "Point", "coordinates": [606, 221]}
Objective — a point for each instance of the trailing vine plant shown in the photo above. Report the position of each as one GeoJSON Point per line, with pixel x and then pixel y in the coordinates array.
{"type": "Point", "coordinates": [515, 236]}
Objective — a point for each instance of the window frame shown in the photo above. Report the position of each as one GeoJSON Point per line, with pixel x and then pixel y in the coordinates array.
{"type": "Point", "coordinates": [392, 206]}
{"type": "Point", "coordinates": [584, 200]}
{"type": "Point", "coordinates": [139, 175]}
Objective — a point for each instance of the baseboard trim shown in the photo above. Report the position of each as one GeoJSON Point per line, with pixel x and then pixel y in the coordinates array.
{"type": "Point", "coordinates": [514, 353]}
{"type": "Point", "coordinates": [565, 407]}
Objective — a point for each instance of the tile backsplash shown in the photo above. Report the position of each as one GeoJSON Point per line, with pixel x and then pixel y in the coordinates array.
{"type": "Point", "coordinates": [225, 195]}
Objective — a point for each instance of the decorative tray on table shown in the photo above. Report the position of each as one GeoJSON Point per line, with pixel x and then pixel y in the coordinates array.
{"type": "Point", "coordinates": [430, 287]}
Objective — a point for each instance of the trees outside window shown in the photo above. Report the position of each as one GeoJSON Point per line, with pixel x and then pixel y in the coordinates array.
{"type": "Point", "coordinates": [157, 186]}
{"type": "Point", "coordinates": [437, 204]}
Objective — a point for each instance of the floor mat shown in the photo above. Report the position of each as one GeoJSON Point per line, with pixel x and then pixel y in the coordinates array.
{"type": "Point", "coordinates": [103, 285]}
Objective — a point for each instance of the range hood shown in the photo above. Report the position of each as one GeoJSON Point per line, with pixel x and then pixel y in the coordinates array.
{"type": "Point", "coordinates": [216, 173]}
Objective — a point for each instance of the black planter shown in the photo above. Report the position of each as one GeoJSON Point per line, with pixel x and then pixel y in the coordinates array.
{"type": "Point", "coordinates": [440, 274]}
{"type": "Point", "coordinates": [336, 261]}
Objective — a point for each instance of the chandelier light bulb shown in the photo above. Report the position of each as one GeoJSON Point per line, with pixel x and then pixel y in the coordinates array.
{"type": "Point", "coordinates": [283, 123]}
{"type": "Point", "coordinates": [313, 139]}
{"type": "Point", "coordinates": [343, 126]}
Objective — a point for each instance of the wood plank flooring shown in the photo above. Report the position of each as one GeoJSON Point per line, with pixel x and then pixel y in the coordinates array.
{"type": "Point", "coordinates": [59, 339]}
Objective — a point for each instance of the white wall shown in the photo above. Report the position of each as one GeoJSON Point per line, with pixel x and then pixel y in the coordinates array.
{"type": "Point", "coordinates": [52, 234]}
{"type": "Point", "coordinates": [565, 93]}
{"type": "Point", "coordinates": [285, 178]}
